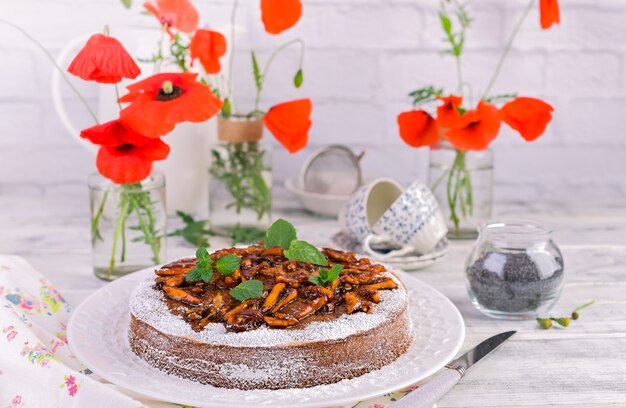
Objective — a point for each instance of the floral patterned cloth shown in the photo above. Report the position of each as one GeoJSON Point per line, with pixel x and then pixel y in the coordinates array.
{"type": "Point", "coordinates": [37, 368]}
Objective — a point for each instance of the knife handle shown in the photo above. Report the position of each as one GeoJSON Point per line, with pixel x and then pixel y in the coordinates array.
{"type": "Point", "coordinates": [431, 392]}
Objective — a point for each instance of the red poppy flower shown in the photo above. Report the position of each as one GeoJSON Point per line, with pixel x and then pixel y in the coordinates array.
{"type": "Point", "coordinates": [103, 59]}
{"type": "Point", "coordinates": [448, 113]}
{"type": "Point", "coordinates": [549, 13]}
{"type": "Point", "coordinates": [418, 128]}
{"type": "Point", "coordinates": [279, 15]}
{"type": "Point", "coordinates": [290, 122]}
{"type": "Point", "coordinates": [178, 14]}
{"type": "Point", "coordinates": [161, 101]}
{"type": "Point", "coordinates": [475, 129]}
{"type": "Point", "coordinates": [208, 46]}
{"type": "Point", "coordinates": [529, 116]}
{"type": "Point", "coordinates": [125, 156]}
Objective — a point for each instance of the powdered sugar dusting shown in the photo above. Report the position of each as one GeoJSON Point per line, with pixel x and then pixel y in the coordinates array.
{"type": "Point", "coordinates": [147, 305]}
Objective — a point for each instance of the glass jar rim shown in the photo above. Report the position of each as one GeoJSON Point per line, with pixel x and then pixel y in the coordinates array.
{"type": "Point", "coordinates": [154, 181]}
{"type": "Point", "coordinates": [516, 229]}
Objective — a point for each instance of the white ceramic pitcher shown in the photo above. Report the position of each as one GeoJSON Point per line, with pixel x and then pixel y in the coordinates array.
{"type": "Point", "coordinates": [186, 168]}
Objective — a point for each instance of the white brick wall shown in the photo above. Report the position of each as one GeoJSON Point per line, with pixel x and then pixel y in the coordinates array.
{"type": "Point", "coordinates": [363, 57]}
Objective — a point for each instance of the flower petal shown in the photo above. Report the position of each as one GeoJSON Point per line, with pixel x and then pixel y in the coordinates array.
{"type": "Point", "coordinates": [113, 133]}
{"type": "Point", "coordinates": [448, 113]}
{"type": "Point", "coordinates": [475, 129]}
{"type": "Point", "coordinates": [418, 128]}
{"type": "Point", "coordinates": [103, 59]}
{"type": "Point", "coordinates": [154, 117]}
{"type": "Point", "coordinates": [180, 14]}
{"type": "Point", "coordinates": [290, 122]}
{"type": "Point", "coordinates": [280, 15]}
{"type": "Point", "coordinates": [122, 168]}
{"type": "Point", "coordinates": [549, 13]}
{"type": "Point", "coordinates": [529, 116]}
{"type": "Point", "coordinates": [208, 46]}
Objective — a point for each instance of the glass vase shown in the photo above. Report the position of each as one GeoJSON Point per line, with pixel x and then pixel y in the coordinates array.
{"type": "Point", "coordinates": [462, 181]}
{"type": "Point", "coordinates": [128, 225]}
{"type": "Point", "coordinates": [240, 191]}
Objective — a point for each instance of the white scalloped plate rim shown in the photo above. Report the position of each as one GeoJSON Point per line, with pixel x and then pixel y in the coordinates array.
{"type": "Point", "coordinates": [443, 331]}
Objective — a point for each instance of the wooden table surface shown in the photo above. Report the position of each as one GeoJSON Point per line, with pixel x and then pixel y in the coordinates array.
{"type": "Point", "coordinates": [583, 365]}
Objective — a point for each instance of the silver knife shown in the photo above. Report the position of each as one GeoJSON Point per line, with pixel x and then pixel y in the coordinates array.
{"type": "Point", "coordinates": [431, 392]}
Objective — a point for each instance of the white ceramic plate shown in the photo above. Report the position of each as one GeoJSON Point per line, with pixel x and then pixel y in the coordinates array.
{"type": "Point", "coordinates": [321, 204]}
{"type": "Point", "coordinates": [408, 263]}
{"type": "Point", "coordinates": [97, 335]}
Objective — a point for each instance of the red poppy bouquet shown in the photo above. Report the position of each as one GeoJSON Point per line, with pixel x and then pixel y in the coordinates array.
{"type": "Point", "coordinates": [454, 119]}
{"type": "Point", "coordinates": [130, 144]}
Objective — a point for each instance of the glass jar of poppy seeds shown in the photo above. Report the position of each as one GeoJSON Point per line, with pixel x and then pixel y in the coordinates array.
{"type": "Point", "coordinates": [240, 190]}
{"type": "Point", "coordinates": [515, 270]}
{"type": "Point", "coordinates": [128, 225]}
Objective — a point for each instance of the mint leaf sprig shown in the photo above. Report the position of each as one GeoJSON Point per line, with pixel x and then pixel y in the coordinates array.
{"type": "Point", "coordinates": [225, 265]}
{"type": "Point", "coordinates": [326, 276]}
{"type": "Point", "coordinates": [194, 231]}
{"type": "Point", "coordinates": [283, 234]}
{"type": "Point", "coordinates": [249, 289]}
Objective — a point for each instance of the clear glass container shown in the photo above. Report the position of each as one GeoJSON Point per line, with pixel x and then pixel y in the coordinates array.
{"type": "Point", "coordinates": [462, 181]}
{"type": "Point", "coordinates": [240, 190]}
{"type": "Point", "coordinates": [128, 225]}
{"type": "Point", "coordinates": [515, 270]}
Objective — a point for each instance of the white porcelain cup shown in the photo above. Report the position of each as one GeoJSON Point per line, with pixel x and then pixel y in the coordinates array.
{"type": "Point", "coordinates": [367, 205]}
{"type": "Point", "coordinates": [413, 222]}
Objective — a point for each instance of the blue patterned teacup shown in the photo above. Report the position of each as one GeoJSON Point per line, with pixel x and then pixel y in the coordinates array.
{"type": "Point", "coordinates": [367, 205]}
{"type": "Point", "coordinates": [414, 223]}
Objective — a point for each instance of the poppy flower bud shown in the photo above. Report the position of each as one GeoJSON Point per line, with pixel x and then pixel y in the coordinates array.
{"type": "Point", "coordinates": [544, 323]}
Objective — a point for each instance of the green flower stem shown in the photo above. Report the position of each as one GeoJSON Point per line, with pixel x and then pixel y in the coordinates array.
{"type": "Point", "coordinates": [56, 66]}
{"type": "Point", "coordinates": [277, 51]}
{"type": "Point", "coordinates": [150, 235]}
{"type": "Point", "coordinates": [118, 229]}
{"type": "Point", "coordinates": [507, 48]}
{"type": "Point", "coordinates": [231, 59]}
{"type": "Point", "coordinates": [95, 231]}
{"type": "Point", "coordinates": [459, 190]}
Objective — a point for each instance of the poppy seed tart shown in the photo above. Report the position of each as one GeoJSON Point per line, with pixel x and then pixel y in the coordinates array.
{"type": "Point", "coordinates": [296, 335]}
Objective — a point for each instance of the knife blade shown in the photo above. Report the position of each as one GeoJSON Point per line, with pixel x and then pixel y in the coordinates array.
{"type": "Point", "coordinates": [431, 392]}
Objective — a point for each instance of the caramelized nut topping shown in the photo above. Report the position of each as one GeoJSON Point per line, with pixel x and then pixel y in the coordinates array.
{"type": "Point", "coordinates": [289, 299]}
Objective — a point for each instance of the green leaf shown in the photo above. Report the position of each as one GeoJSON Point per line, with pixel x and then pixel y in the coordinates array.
{"type": "Point", "coordinates": [127, 3]}
{"type": "Point", "coordinates": [446, 24]}
{"type": "Point", "coordinates": [194, 232]}
{"type": "Point", "coordinates": [326, 276]}
{"type": "Point", "coordinates": [256, 71]}
{"type": "Point", "coordinates": [203, 255]}
{"type": "Point", "coordinates": [333, 273]}
{"type": "Point", "coordinates": [298, 79]}
{"type": "Point", "coordinates": [317, 280]}
{"type": "Point", "coordinates": [305, 252]}
{"type": "Point", "coordinates": [187, 219]}
{"type": "Point", "coordinates": [193, 275]}
{"type": "Point", "coordinates": [281, 234]}
{"type": "Point", "coordinates": [245, 235]}
{"type": "Point", "coordinates": [228, 264]}
{"type": "Point", "coordinates": [247, 290]}
{"type": "Point", "coordinates": [226, 109]}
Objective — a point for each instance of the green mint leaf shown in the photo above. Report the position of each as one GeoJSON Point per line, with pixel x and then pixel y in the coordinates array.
{"type": "Point", "coordinates": [247, 290]}
{"type": "Point", "coordinates": [193, 275]}
{"type": "Point", "coordinates": [228, 264]}
{"type": "Point", "coordinates": [281, 234]}
{"type": "Point", "coordinates": [202, 254]}
{"type": "Point", "coordinates": [305, 252]}
{"type": "Point", "coordinates": [256, 71]}
{"type": "Point", "coordinates": [206, 274]}
{"type": "Point", "coordinates": [333, 273]}
{"type": "Point", "coordinates": [317, 280]}
{"type": "Point", "coordinates": [298, 79]}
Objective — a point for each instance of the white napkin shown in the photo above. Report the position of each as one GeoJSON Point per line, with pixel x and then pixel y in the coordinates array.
{"type": "Point", "coordinates": [37, 368]}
